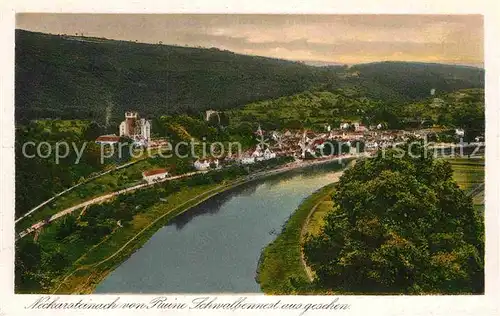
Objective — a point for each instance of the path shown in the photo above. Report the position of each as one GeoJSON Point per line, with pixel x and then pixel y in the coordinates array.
{"type": "Point", "coordinates": [308, 270]}
{"type": "Point", "coordinates": [98, 199]}
{"type": "Point", "coordinates": [73, 187]}
{"type": "Point", "coordinates": [476, 190]}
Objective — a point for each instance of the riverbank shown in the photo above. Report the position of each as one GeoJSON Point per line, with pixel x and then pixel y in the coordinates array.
{"type": "Point", "coordinates": [48, 215]}
{"type": "Point", "coordinates": [282, 269]}
{"type": "Point", "coordinates": [121, 177]}
{"type": "Point", "coordinates": [92, 267]}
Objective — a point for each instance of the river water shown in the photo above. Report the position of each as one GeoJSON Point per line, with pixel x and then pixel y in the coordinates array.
{"type": "Point", "coordinates": [215, 247]}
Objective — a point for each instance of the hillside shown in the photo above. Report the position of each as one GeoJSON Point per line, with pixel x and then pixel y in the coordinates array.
{"type": "Point", "coordinates": [69, 77]}
{"type": "Point", "coordinates": [462, 108]}
{"type": "Point", "coordinates": [313, 109]}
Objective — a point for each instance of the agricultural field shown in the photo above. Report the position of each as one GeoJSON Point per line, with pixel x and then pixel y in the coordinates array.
{"type": "Point", "coordinates": [469, 174]}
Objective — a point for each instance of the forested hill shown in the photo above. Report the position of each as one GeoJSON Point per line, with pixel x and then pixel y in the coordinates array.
{"type": "Point", "coordinates": [75, 77]}
{"type": "Point", "coordinates": [72, 77]}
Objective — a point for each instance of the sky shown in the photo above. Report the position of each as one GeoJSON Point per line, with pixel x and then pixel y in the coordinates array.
{"type": "Point", "coordinates": [315, 39]}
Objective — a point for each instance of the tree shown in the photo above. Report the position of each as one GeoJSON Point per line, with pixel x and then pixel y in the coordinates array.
{"type": "Point", "coordinates": [92, 131]}
{"type": "Point", "coordinates": [400, 225]}
{"type": "Point", "coordinates": [27, 261]}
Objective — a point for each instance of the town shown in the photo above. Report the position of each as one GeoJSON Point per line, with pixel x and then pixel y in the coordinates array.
{"type": "Point", "coordinates": [349, 138]}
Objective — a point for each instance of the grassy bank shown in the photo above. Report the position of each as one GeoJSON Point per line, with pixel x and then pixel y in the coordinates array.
{"type": "Point", "coordinates": [281, 270]}
{"type": "Point", "coordinates": [94, 265]}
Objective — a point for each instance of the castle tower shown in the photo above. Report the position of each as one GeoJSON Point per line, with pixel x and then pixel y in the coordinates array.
{"type": "Point", "coordinates": [130, 123]}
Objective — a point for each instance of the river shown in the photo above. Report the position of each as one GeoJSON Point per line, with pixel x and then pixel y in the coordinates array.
{"type": "Point", "coordinates": [215, 246]}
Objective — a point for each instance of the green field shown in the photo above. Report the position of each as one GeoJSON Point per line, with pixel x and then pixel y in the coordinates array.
{"type": "Point", "coordinates": [469, 173]}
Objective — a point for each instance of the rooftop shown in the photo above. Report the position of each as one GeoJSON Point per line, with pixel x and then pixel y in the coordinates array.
{"type": "Point", "coordinates": [108, 138]}
{"type": "Point", "coordinates": [154, 172]}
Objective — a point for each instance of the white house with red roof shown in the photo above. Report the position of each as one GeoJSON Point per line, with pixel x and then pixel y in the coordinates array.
{"type": "Point", "coordinates": [151, 176]}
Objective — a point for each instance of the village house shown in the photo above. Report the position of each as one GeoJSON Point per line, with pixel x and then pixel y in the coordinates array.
{"type": "Point", "coordinates": [358, 127]}
{"type": "Point", "coordinates": [205, 164]}
{"type": "Point", "coordinates": [201, 164]}
{"type": "Point", "coordinates": [158, 143]}
{"type": "Point", "coordinates": [154, 175]}
{"type": "Point", "coordinates": [247, 160]}
{"type": "Point", "coordinates": [268, 154]}
{"type": "Point", "coordinates": [275, 135]}
{"type": "Point", "coordinates": [260, 155]}
{"type": "Point", "coordinates": [459, 132]}
{"type": "Point", "coordinates": [257, 152]}
{"type": "Point", "coordinates": [344, 125]}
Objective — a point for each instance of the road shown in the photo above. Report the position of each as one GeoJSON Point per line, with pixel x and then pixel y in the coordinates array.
{"type": "Point", "coordinates": [73, 187]}
{"type": "Point", "coordinates": [98, 199]}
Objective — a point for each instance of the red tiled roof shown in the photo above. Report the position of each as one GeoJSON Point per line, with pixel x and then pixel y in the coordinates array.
{"type": "Point", "coordinates": [154, 171]}
{"type": "Point", "coordinates": [109, 138]}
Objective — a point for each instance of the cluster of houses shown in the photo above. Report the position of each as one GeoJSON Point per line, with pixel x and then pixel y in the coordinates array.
{"type": "Point", "coordinates": [291, 143]}
{"type": "Point", "coordinates": [206, 164]}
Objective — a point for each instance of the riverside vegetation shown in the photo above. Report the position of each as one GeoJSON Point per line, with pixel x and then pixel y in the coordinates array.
{"type": "Point", "coordinates": [310, 110]}
{"type": "Point", "coordinates": [54, 104]}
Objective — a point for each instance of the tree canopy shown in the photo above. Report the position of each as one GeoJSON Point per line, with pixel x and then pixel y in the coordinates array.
{"type": "Point", "coordinates": [400, 225]}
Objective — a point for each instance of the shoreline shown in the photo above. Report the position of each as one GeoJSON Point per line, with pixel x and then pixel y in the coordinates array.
{"type": "Point", "coordinates": [292, 233]}
{"type": "Point", "coordinates": [146, 233]}
{"type": "Point", "coordinates": [281, 269]}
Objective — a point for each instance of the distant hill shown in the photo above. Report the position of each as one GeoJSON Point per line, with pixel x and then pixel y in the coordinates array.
{"type": "Point", "coordinates": [415, 80]}
{"type": "Point", "coordinates": [319, 63]}
{"type": "Point", "coordinates": [70, 77]}
{"type": "Point", "coordinates": [313, 110]}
